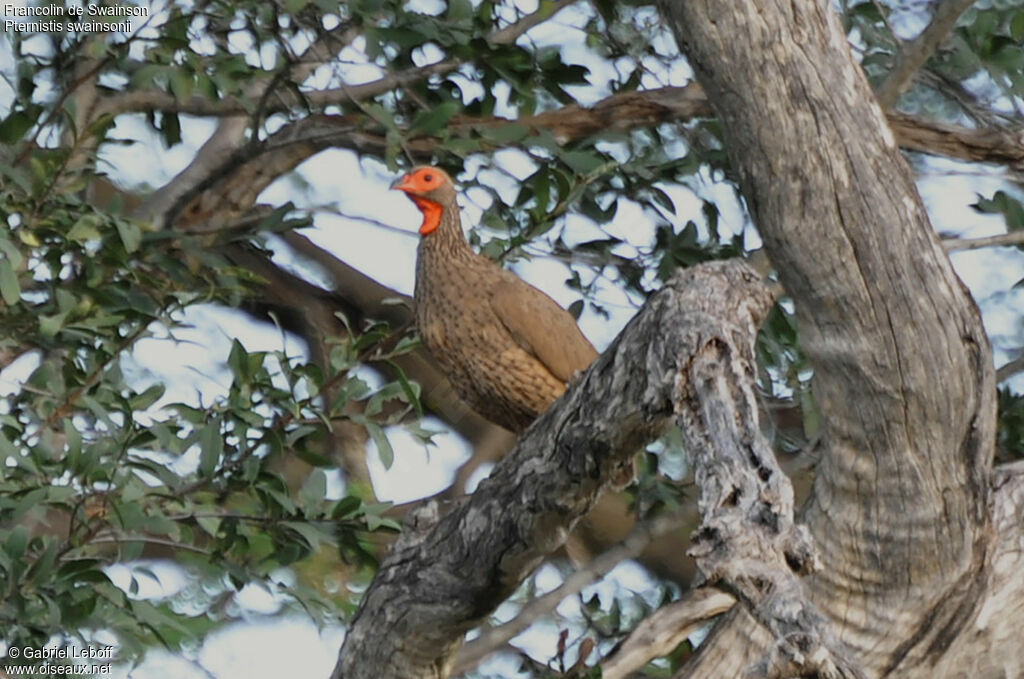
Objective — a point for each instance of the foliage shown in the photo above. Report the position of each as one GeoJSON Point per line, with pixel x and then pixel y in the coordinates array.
{"type": "Point", "coordinates": [116, 468]}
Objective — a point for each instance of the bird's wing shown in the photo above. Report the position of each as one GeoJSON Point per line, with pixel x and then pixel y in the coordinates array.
{"type": "Point", "coordinates": [541, 327]}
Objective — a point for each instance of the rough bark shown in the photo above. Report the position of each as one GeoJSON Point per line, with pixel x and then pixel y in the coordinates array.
{"type": "Point", "coordinates": [900, 507]}
{"type": "Point", "coordinates": [748, 542]}
{"type": "Point", "coordinates": [440, 581]}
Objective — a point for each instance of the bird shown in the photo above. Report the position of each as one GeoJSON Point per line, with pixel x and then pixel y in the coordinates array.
{"type": "Point", "coordinates": [508, 349]}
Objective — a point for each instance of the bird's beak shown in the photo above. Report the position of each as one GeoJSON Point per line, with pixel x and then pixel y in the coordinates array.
{"type": "Point", "coordinates": [402, 184]}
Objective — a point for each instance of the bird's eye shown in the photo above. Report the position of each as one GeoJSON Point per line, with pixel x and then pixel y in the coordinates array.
{"type": "Point", "coordinates": [428, 177]}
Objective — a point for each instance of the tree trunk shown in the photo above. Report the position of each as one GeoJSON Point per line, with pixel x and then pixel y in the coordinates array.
{"type": "Point", "coordinates": [901, 508]}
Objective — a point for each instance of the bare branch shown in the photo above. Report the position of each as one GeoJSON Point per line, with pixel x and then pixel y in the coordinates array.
{"type": "Point", "coordinates": [662, 631]}
{"type": "Point", "coordinates": [916, 52]}
{"type": "Point", "coordinates": [1008, 370]}
{"type": "Point", "coordinates": [511, 33]}
{"type": "Point", "coordinates": [1002, 146]}
{"type": "Point", "coordinates": [496, 638]}
{"type": "Point", "coordinates": [999, 240]}
{"type": "Point", "coordinates": [224, 140]}
{"type": "Point", "coordinates": [748, 542]}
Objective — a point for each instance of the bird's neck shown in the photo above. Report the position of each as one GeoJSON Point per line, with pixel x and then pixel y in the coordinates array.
{"type": "Point", "coordinates": [446, 239]}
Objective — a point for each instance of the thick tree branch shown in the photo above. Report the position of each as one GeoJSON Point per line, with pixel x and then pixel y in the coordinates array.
{"type": "Point", "coordinates": [235, 182]}
{"type": "Point", "coordinates": [995, 145]}
{"type": "Point", "coordinates": [915, 53]}
{"type": "Point", "coordinates": [437, 584]}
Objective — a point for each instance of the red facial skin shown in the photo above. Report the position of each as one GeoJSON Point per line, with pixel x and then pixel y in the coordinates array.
{"type": "Point", "coordinates": [417, 183]}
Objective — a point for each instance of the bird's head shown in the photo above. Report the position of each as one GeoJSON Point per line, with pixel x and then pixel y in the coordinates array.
{"type": "Point", "coordinates": [432, 190]}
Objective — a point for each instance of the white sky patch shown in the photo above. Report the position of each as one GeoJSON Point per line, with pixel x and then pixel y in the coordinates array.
{"type": "Point", "coordinates": [274, 648]}
{"type": "Point", "coordinates": [15, 373]}
{"type": "Point", "coordinates": [418, 471]}
{"type": "Point", "coordinates": [154, 579]}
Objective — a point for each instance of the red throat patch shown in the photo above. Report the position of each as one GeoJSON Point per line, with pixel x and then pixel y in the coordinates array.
{"type": "Point", "coordinates": [431, 214]}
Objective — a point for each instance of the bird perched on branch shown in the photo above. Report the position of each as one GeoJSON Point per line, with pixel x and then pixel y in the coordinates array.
{"type": "Point", "coordinates": [507, 348]}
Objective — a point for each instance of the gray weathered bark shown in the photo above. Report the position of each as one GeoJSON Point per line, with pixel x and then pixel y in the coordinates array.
{"type": "Point", "coordinates": [441, 580]}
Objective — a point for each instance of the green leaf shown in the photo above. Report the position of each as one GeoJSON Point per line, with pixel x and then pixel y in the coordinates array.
{"type": "Point", "coordinates": [182, 84]}
{"type": "Point", "coordinates": [210, 524]}
{"type": "Point", "coordinates": [505, 134]}
{"type": "Point", "coordinates": [85, 229]}
{"type": "Point", "coordinates": [43, 568]}
{"type": "Point", "coordinates": [14, 126]}
{"type": "Point", "coordinates": [662, 199]}
{"type": "Point", "coordinates": [429, 122]}
{"type": "Point", "coordinates": [170, 128]}
{"type": "Point", "coordinates": [582, 162]}
{"type": "Point", "coordinates": [238, 362]}
{"type": "Point", "coordinates": [314, 489]}
{"type": "Point", "coordinates": [211, 445]}
{"type": "Point", "coordinates": [148, 397]}
{"type": "Point", "coordinates": [380, 440]}
{"type": "Point", "coordinates": [9, 286]}
{"type": "Point", "coordinates": [1004, 204]}
{"type": "Point", "coordinates": [410, 389]}
{"type": "Point", "coordinates": [1017, 26]}
{"type": "Point", "coordinates": [131, 235]}
{"type": "Point", "coordinates": [459, 10]}
{"type": "Point", "coordinates": [16, 542]}
{"type": "Point", "coordinates": [311, 535]}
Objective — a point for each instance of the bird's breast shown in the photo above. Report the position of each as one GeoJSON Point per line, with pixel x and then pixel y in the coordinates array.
{"type": "Point", "coordinates": [472, 346]}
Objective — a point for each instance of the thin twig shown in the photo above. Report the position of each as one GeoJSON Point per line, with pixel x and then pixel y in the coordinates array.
{"type": "Point", "coordinates": [999, 240]}
{"type": "Point", "coordinates": [119, 539]}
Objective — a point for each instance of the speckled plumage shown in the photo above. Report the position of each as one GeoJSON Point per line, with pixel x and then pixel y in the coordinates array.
{"type": "Point", "coordinates": [507, 348]}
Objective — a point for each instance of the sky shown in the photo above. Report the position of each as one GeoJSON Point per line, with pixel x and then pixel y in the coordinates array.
{"type": "Point", "coordinates": [192, 364]}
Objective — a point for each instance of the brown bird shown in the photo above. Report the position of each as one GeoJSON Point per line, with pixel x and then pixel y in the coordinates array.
{"type": "Point", "coordinates": [507, 348]}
